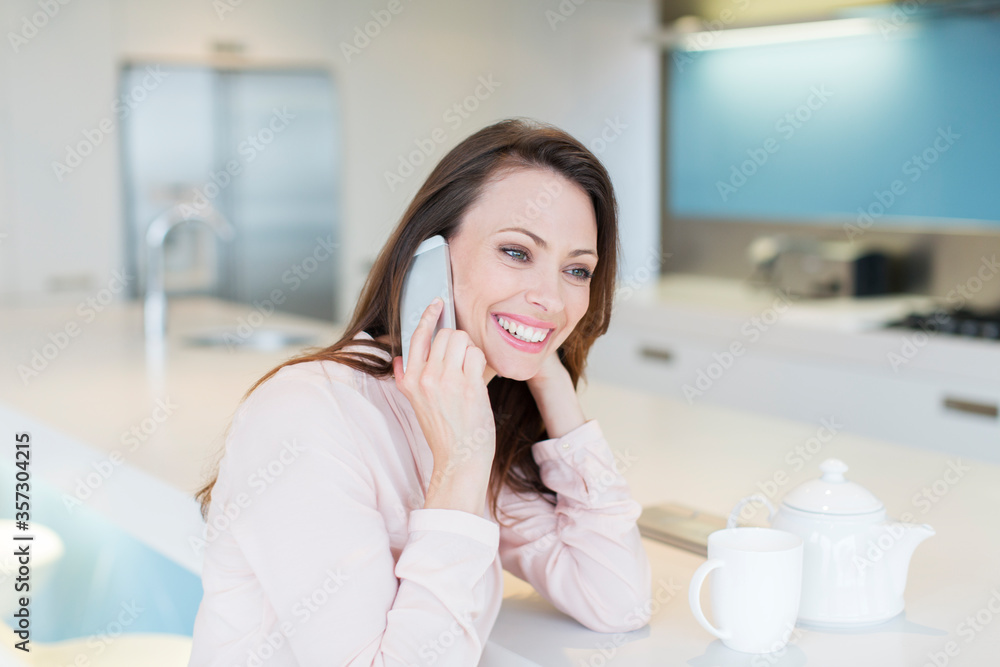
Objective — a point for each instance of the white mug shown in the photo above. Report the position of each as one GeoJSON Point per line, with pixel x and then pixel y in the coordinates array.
{"type": "Point", "coordinates": [756, 588]}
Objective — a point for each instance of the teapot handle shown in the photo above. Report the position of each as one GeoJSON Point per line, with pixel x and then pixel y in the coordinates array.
{"type": "Point", "coordinates": [756, 498]}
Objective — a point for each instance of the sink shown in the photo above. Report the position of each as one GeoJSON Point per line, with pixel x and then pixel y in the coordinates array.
{"type": "Point", "coordinates": [257, 339]}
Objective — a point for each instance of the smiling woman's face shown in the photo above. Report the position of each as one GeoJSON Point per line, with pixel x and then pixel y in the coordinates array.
{"type": "Point", "coordinates": [521, 261]}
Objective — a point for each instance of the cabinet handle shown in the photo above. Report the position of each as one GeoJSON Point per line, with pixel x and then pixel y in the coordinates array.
{"type": "Point", "coordinates": [656, 353]}
{"type": "Point", "coordinates": [984, 409]}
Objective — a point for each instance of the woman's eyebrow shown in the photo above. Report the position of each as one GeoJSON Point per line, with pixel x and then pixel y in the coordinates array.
{"type": "Point", "coordinates": [541, 242]}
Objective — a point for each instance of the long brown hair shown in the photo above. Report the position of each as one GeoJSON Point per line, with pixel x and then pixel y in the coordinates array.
{"type": "Point", "coordinates": [438, 208]}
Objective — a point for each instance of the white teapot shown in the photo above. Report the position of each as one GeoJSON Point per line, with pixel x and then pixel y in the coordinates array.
{"type": "Point", "coordinates": [854, 561]}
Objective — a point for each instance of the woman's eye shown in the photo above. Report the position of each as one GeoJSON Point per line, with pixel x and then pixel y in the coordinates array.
{"type": "Point", "coordinates": [521, 255]}
{"type": "Point", "coordinates": [517, 254]}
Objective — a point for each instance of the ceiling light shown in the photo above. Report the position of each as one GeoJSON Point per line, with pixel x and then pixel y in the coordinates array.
{"type": "Point", "coordinates": [773, 34]}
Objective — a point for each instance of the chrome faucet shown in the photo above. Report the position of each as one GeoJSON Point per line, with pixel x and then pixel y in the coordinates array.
{"type": "Point", "coordinates": [155, 308]}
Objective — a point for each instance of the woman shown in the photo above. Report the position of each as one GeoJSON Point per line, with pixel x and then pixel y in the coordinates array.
{"type": "Point", "coordinates": [362, 516]}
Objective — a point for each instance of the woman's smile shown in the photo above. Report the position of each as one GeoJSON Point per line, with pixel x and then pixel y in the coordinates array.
{"type": "Point", "coordinates": [520, 335]}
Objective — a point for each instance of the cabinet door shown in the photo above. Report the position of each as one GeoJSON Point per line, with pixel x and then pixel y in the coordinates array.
{"type": "Point", "coordinates": [946, 414]}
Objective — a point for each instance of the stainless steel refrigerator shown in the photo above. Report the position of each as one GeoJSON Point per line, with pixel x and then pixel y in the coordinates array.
{"type": "Point", "coordinates": [258, 145]}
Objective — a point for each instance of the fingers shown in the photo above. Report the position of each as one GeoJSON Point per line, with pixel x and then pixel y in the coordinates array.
{"type": "Point", "coordinates": [420, 343]}
{"type": "Point", "coordinates": [454, 350]}
{"type": "Point", "coordinates": [450, 352]}
{"type": "Point", "coordinates": [397, 371]}
{"type": "Point", "coordinates": [458, 343]}
{"type": "Point", "coordinates": [436, 356]}
{"type": "Point", "coordinates": [475, 363]}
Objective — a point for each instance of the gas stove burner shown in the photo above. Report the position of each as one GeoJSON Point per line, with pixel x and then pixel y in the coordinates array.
{"type": "Point", "coordinates": [962, 322]}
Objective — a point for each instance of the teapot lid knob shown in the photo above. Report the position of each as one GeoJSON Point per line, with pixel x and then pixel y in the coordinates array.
{"type": "Point", "coordinates": [833, 470]}
{"type": "Point", "coordinates": [832, 494]}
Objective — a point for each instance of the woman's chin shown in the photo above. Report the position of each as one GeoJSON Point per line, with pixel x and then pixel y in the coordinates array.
{"type": "Point", "coordinates": [516, 371]}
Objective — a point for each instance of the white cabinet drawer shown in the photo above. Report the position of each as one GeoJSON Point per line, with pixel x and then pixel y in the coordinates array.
{"type": "Point", "coordinates": [951, 414]}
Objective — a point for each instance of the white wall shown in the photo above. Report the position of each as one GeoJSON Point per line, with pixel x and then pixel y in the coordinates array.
{"type": "Point", "coordinates": [579, 74]}
{"type": "Point", "coordinates": [54, 87]}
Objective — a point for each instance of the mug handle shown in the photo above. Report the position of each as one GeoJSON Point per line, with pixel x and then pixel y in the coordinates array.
{"type": "Point", "coordinates": [694, 596]}
{"type": "Point", "coordinates": [753, 498]}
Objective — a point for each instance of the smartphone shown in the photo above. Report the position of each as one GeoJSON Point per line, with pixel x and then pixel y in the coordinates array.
{"type": "Point", "coordinates": [429, 276]}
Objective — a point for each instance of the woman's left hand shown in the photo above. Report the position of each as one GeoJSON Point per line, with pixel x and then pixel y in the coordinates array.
{"type": "Point", "coordinates": [552, 370]}
{"type": "Point", "coordinates": [553, 391]}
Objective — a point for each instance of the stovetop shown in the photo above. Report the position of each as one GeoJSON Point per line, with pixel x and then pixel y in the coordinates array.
{"type": "Point", "coordinates": [964, 322]}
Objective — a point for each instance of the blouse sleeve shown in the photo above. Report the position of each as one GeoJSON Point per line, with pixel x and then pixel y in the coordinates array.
{"type": "Point", "coordinates": [320, 549]}
{"type": "Point", "coordinates": [584, 555]}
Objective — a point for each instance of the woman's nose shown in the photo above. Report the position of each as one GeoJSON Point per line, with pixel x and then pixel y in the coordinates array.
{"type": "Point", "coordinates": [545, 292]}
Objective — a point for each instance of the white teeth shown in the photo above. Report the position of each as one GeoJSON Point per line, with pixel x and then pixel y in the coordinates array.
{"type": "Point", "coordinates": [525, 333]}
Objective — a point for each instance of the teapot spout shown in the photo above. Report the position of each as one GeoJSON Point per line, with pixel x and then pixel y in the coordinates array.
{"type": "Point", "coordinates": [906, 538]}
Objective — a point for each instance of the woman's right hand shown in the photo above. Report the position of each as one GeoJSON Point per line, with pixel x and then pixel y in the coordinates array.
{"type": "Point", "coordinates": [444, 384]}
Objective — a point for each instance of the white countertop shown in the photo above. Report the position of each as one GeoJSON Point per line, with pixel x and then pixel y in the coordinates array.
{"type": "Point", "coordinates": [98, 382]}
{"type": "Point", "coordinates": [709, 457]}
{"type": "Point", "coordinates": [704, 456]}
{"type": "Point", "coordinates": [103, 383]}
{"type": "Point", "coordinates": [842, 329]}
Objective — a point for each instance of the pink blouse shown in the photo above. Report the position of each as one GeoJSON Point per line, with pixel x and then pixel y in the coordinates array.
{"type": "Point", "coordinates": [318, 550]}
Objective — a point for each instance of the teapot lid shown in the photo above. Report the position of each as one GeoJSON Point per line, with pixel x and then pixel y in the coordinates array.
{"type": "Point", "coordinates": [832, 494]}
